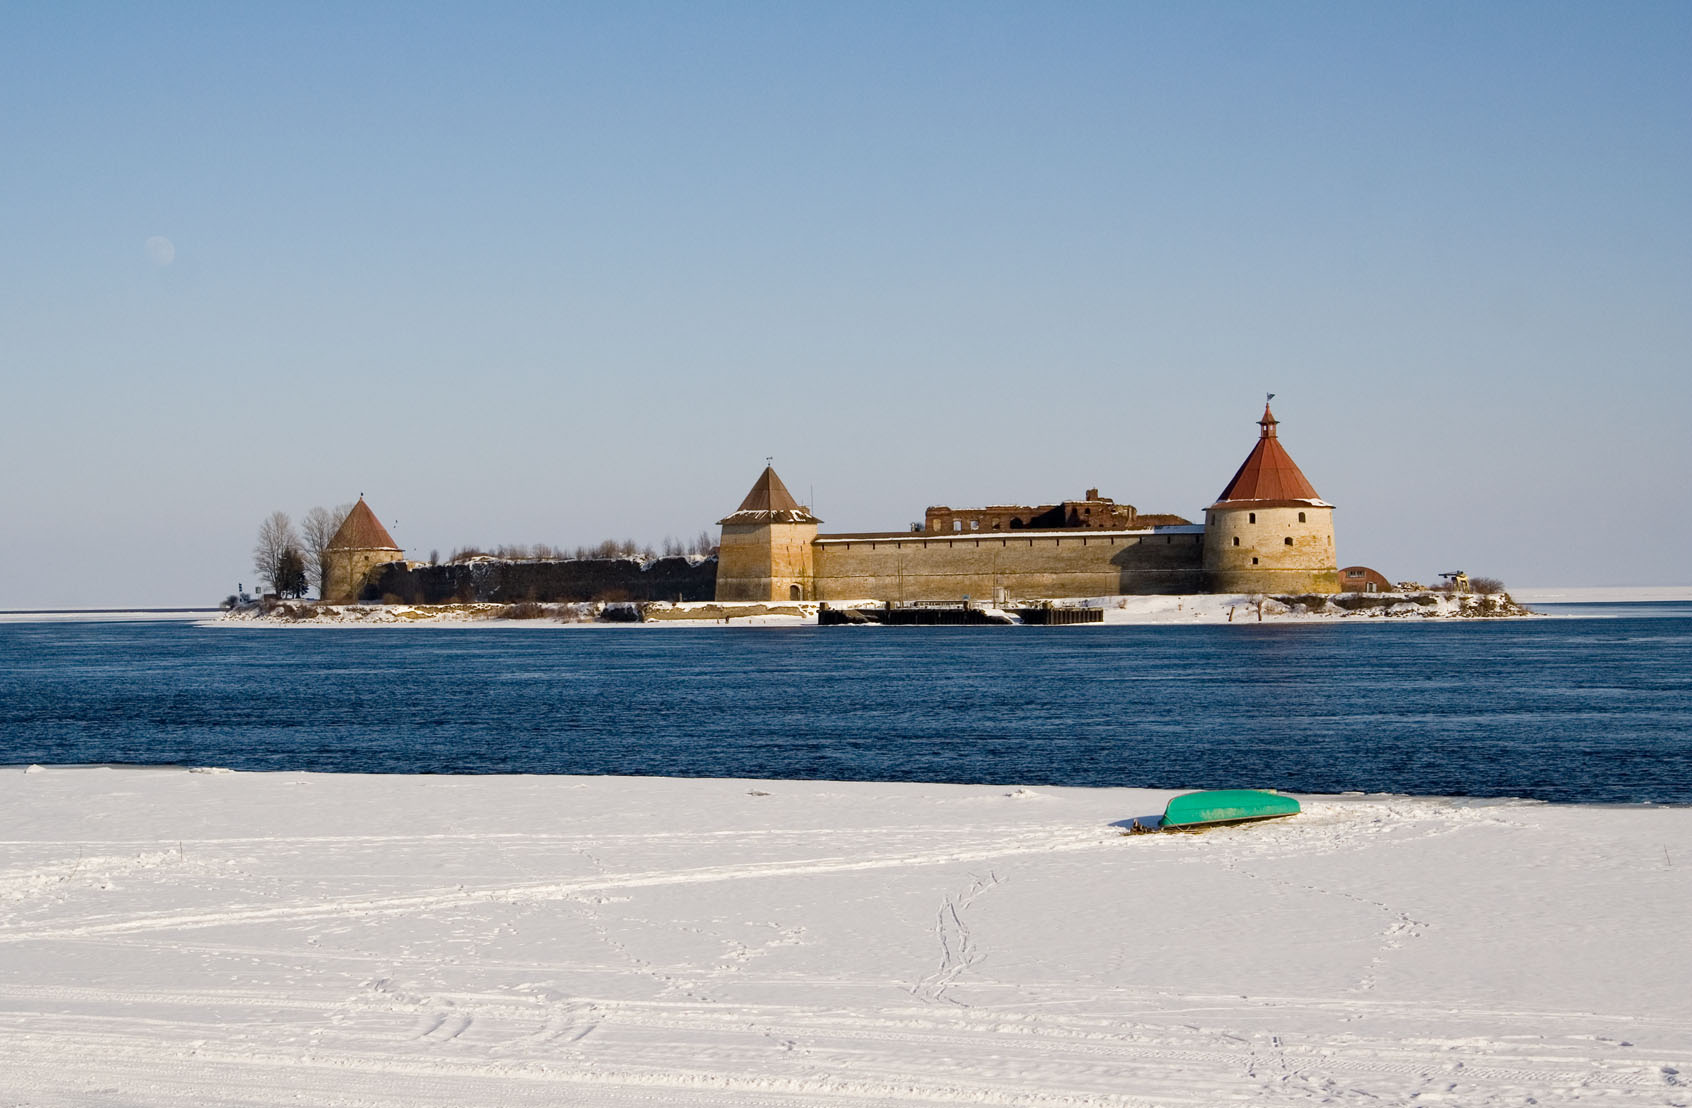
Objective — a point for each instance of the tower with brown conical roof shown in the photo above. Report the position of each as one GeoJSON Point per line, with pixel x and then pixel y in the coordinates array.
{"type": "Point", "coordinates": [1269, 532]}
{"type": "Point", "coordinates": [359, 546]}
{"type": "Point", "coordinates": [765, 552]}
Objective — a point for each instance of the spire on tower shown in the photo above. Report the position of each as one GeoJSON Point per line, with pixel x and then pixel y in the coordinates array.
{"type": "Point", "coordinates": [769, 501]}
{"type": "Point", "coordinates": [1268, 473]}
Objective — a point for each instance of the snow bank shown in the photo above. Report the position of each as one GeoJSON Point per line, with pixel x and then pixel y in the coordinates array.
{"type": "Point", "coordinates": [1224, 608]}
{"type": "Point", "coordinates": [179, 938]}
{"type": "Point", "coordinates": [310, 614]}
{"type": "Point", "coordinates": [1201, 608]}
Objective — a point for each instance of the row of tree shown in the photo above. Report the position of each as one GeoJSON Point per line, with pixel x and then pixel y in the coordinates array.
{"type": "Point", "coordinates": [289, 560]}
{"type": "Point", "coordinates": [703, 544]}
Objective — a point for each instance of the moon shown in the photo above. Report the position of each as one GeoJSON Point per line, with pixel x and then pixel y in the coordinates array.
{"type": "Point", "coordinates": [161, 250]}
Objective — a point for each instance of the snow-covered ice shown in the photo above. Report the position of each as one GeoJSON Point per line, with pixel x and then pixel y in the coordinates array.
{"type": "Point", "coordinates": [170, 937]}
{"type": "Point", "coordinates": [111, 615]}
{"type": "Point", "coordinates": [1609, 594]}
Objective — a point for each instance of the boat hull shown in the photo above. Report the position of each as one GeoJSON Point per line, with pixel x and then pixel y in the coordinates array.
{"type": "Point", "coordinates": [1220, 807]}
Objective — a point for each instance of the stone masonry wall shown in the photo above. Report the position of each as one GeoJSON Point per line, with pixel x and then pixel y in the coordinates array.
{"type": "Point", "coordinates": [927, 567]}
{"type": "Point", "coordinates": [346, 571]}
{"type": "Point", "coordinates": [1268, 548]}
{"type": "Point", "coordinates": [511, 582]}
{"type": "Point", "coordinates": [766, 561]}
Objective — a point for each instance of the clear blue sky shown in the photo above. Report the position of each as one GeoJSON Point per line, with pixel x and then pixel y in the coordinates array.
{"type": "Point", "coordinates": [556, 273]}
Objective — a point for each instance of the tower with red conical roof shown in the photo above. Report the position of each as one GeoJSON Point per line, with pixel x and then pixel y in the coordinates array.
{"type": "Point", "coordinates": [765, 552]}
{"type": "Point", "coordinates": [1269, 532]}
{"type": "Point", "coordinates": [360, 544]}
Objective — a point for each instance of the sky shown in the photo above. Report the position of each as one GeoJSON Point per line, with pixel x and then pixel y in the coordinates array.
{"type": "Point", "coordinates": [561, 273]}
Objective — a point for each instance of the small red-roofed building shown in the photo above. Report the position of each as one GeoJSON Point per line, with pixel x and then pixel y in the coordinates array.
{"type": "Point", "coordinates": [359, 546]}
{"type": "Point", "coordinates": [1364, 579]}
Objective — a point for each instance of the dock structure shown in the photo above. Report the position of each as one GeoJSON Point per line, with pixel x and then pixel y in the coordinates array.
{"type": "Point", "coordinates": [935, 615]}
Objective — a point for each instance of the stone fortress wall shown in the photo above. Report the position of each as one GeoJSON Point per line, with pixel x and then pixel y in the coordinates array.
{"type": "Point", "coordinates": [1021, 565]}
{"type": "Point", "coordinates": [1271, 548]}
{"type": "Point", "coordinates": [1267, 533]}
{"type": "Point", "coordinates": [347, 571]}
{"type": "Point", "coordinates": [766, 561]}
{"type": "Point", "coordinates": [490, 580]}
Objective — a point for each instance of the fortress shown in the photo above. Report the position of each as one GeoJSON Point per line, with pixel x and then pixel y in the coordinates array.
{"type": "Point", "coordinates": [1268, 532]}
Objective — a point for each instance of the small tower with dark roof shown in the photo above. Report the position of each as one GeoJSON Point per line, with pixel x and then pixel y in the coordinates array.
{"type": "Point", "coordinates": [359, 546]}
{"type": "Point", "coordinates": [1269, 532]}
{"type": "Point", "coordinates": [765, 552]}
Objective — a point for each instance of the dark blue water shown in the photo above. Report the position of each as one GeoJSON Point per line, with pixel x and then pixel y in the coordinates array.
{"type": "Point", "coordinates": [1590, 710]}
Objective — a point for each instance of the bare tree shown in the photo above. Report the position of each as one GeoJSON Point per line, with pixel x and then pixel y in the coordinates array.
{"type": "Point", "coordinates": [278, 557]}
{"type": "Point", "coordinates": [316, 529]}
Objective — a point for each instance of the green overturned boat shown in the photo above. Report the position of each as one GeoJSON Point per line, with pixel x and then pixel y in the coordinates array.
{"type": "Point", "coordinates": [1220, 807]}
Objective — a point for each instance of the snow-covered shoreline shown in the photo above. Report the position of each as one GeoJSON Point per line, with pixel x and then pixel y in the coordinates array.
{"type": "Point", "coordinates": [1116, 610]}
{"type": "Point", "coordinates": [375, 615]}
{"type": "Point", "coordinates": [173, 937]}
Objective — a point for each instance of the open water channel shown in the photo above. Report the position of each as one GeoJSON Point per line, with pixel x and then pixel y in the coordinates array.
{"type": "Point", "coordinates": [1595, 710]}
